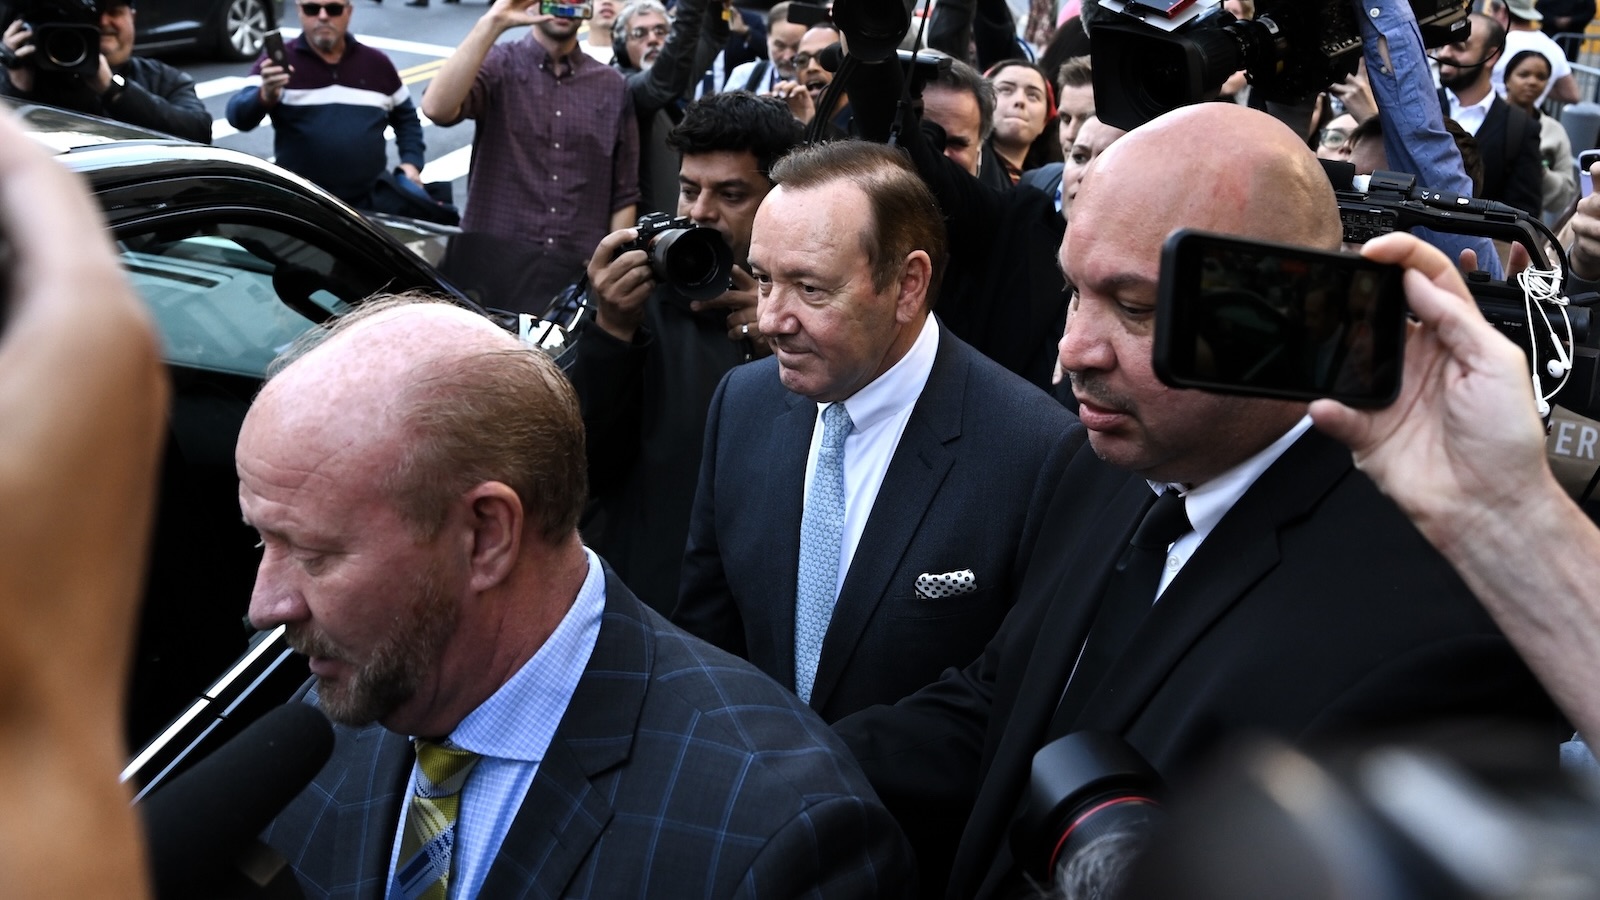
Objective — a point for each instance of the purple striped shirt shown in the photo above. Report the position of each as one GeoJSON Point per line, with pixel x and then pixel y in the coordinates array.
{"type": "Point", "coordinates": [556, 150]}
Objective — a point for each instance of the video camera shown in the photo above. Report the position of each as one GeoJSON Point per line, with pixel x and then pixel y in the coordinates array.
{"type": "Point", "coordinates": [66, 34]}
{"type": "Point", "coordinates": [1370, 206]}
{"type": "Point", "coordinates": [1153, 56]}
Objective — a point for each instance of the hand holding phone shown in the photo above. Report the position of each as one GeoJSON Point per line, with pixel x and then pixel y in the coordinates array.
{"type": "Point", "coordinates": [1586, 159]}
{"type": "Point", "coordinates": [1238, 316]}
{"type": "Point", "coordinates": [272, 43]}
{"type": "Point", "coordinates": [566, 10]}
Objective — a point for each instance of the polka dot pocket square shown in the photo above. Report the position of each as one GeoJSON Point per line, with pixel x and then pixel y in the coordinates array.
{"type": "Point", "coordinates": [949, 584]}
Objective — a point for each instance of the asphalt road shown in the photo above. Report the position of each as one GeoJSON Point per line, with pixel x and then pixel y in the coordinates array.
{"type": "Point", "coordinates": [418, 40]}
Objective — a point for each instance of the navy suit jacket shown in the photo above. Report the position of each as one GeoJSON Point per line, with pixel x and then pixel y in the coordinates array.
{"type": "Point", "coordinates": [1517, 178]}
{"type": "Point", "coordinates": [677, 771]}
{"type": "Point", "coordinates": [1314, 609]}
{"type": "Point", "coordinates": [966, 489]}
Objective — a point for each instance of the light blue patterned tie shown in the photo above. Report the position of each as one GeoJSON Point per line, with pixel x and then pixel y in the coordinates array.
{"type": "Point", "coordinates": [821, 528]}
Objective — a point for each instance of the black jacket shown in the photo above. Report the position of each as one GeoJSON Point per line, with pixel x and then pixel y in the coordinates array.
{"type": "Point", "coordinates": [157, 96]}
{"type": "Point", "coordinates": [644, 414]}
{"type": "Point", "coordinates": [1002, 291]}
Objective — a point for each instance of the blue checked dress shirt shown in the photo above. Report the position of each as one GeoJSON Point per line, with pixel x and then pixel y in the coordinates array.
{"type": "Point", "coordinates": [511, 731]}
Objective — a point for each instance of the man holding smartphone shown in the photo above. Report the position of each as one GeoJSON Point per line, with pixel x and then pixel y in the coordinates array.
{"type": "Point", "coordinates": [555, 160]}
{"type": "Point", "coordinates": [330, 97]}
{"type": "Point", "coordinates": [144, 92]}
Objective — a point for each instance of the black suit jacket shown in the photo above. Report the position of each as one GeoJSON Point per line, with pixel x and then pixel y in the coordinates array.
{"type": "Point", "coordinates": [966, 489]}
{"type": "Point", "coordinates": [1516, 177]}
{"type": "Point", "coordinates": [1314, 609]}
{"type": "Point", "coordinates": [677, 771]}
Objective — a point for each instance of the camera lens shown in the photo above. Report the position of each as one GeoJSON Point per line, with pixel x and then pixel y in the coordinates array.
{"type": "Point", "coordinates": [65, 49]}
{"type": "Point", "coordinates": [695, 261]}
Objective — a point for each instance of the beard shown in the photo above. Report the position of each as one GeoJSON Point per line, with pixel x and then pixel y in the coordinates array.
{"type": "Point", "coordinates": [1464, 76]}
{"type": "Point", "coordinates": [395, 669]}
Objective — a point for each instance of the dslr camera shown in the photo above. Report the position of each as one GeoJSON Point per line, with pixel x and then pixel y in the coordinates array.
{"type": "Point", "coordinates": [66, 34]}
{"type": "Point", "coordinates": [693, 259]}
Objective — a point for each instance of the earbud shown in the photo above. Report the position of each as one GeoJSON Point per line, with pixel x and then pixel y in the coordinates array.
{"type": "Point", "coordinates": [1556, 368]}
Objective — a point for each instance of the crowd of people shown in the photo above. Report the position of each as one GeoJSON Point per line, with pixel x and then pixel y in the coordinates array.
{"type": "Point", "coordinates": [783, 590]}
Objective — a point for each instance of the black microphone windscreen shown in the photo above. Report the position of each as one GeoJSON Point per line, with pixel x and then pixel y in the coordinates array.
{"type": "Point", "coordinates": [200, 822]}
{"type": "Point", "coordinates": [831, 57]}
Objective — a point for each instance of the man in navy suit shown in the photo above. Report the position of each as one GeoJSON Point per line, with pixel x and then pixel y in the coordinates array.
{"type": "Point", "coordinates": [423, 552]}
{"type": "Point", "coordinates": [1295, 600]}
{"type": "Point", "coordinates": [947, 457]}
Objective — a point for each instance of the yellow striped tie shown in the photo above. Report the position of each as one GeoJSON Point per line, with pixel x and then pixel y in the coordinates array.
{"type": "Point", "coordinates": [424, 872]}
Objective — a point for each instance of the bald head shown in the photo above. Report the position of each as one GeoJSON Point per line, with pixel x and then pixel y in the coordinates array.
{"type": "Point", "coordinates": [1266, 184]}
{"type": "Point", "coordinates": [432, 399]}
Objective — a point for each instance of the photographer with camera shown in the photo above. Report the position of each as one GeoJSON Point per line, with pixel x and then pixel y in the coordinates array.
{"type": "Point", "coordinates": [89, 66]}
{"type": "Point", "coordinates": [645, 366]}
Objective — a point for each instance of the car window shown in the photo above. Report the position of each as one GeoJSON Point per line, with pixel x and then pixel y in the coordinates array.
{"type": "Point", "coordinates": [227, 297]}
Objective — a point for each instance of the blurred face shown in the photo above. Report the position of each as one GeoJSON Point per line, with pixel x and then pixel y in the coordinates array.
{"type": "Point", "coordinates": [1095, 137]}
{"type": "Point", "coordinates": [1526, 83]}
{"type": "Point", "coordinates": [325, 31]}
{"type": "Point", "coordinates": [783, 42]}
{"type": "Point", "coordinates": [371, 604]}
{"type": "Point", "coordinates": [1077, 105]}
{"type": "Point", "coordinates": [1333, 139]}
{"type": "Point", "coordinates": [605, 12]}
{"type": "Point", "coordinates": [808, 69]}
{"type": "Point", "coordinates": [647, 33]}
{"type": "Point", "coordinates": [116, 34]}
{"type": "Point", "coordinates": [830, 330]}
{"type": "Point", "coordinates": [1368, 156]}
{"type": "Point", "coordinates": [1019, 112]}
{"type": "Point", "coordinates": [559, 30]}
{"type": "Point", "coordinates": [723, 190]}
{"type": "Point", "coordinates": [956, 111]}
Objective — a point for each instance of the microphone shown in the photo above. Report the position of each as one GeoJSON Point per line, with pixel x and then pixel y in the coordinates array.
{"type": "Point", "coordinates": [200, 825]}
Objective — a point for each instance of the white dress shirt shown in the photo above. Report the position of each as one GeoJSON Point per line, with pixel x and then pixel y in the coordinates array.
{"type": "Point", "coordinates": [879, 413]}
{"type": "Point", "coordinates": [1470, 117]}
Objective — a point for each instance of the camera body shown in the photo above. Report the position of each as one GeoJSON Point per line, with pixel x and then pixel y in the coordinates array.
{"type": "Point", "coordinates": [66, 34]}
{"type": "Point", "coordinates": [693, 259]}
{"type": "Point", "coordinates": [1146, 63]}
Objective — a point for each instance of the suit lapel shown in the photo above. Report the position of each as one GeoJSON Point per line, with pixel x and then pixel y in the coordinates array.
{"type": "Point", "coordinates": [787, 449]}
{"type": "Point", "coordinates": [1241, 550]}
{"type": "Point", "coordinates": [564, 813]}
{"type": "Point", "coordinates": [370, 815]}
{"type": "Point", "coordinates": [918, 468]}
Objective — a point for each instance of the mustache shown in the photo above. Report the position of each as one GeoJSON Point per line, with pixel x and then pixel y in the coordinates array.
{"type": "Point", "coordinates": [311, 644]}
{"type": "Point", "coordinates": [1092, 388]}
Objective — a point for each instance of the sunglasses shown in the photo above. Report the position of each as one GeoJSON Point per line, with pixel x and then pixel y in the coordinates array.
{"type": "Point", "coordinates": [640, 33]}
{"type": "Point", "coordinates": [334, 10]}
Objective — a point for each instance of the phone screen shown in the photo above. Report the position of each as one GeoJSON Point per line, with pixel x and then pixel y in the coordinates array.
{"type": "Point", "coordinates": [566, 10]}
{"type": "Point", "coordinates": [1586, 159]}
{"type": "Point", "coordinates": [1248, 317]}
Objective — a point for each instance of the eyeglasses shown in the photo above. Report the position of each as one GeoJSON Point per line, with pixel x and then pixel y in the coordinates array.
{"type": "Point", "coordinates": [1333, 138]}
{"type": "Point", "coordinates": [334, 10]}
{"type": "Point", "coordinates": [640, 33]}
{"type": "Point", "coordinates": [803, 59]}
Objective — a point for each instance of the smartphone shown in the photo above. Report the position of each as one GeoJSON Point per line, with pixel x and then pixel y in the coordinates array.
{"type": "Point", "coordinates": [566, 10]}
{"type": "Point", "coordinates": [807, 14]}
{"type": "Point", "coordinates": [1238, 316]}
{"type": "Point", "coordinates": [1586, 159]}
{"type": "Point", "coordinates": [272, 42]}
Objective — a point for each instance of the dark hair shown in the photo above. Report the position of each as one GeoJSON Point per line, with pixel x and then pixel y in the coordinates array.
{"type": "Point", "coordinates": [1513, 62]}
{"type": "Point", "coordinates": [1077, 71]}
{"type": "Point", "coordinates": [1070, 40]}
{"type": "Point", "coordinates": [962, 77]}
{"type": "Point", "coordinates": [905, 217]}
{"type": "Point", "coordinates": [1494, 33]}
{"type": "Point", "coordinates": [1046, 148]}
{"type": "Point", "coordinates": [1370, 127]}
{"type": "Point", "coordinates": [735, 121]}
{"type": "Point", "coordinates": [1471, 160]}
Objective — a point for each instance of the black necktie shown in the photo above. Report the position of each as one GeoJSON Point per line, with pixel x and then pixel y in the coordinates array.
{"type": "Point", "coordinates": [1130, 593]}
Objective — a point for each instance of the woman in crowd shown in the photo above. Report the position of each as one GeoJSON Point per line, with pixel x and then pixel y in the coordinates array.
{"type": "Point", "coordinates": [1526, 76]}
{"type": "Point", "coordinates": [1024, 110]}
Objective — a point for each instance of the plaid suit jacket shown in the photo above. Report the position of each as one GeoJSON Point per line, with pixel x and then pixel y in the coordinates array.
{"type": "Point", "coordinates": [677, 771]}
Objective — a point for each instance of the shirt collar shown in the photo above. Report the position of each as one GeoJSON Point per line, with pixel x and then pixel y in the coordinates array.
{"type": "Point", "coordinates": [899, 386]}
{"type": "Point", "coordinates": [1209, 502]}
{"type": "Point", "coordinates": [516, 722]}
